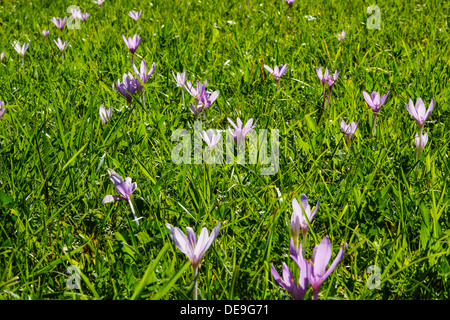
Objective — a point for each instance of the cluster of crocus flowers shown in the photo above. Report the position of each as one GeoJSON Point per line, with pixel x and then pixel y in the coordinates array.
{"type": "Point", "coordinates": [420, 114]}
{"type": "Point", "coordinates": [312, 272]}
{"type": "Point", "coordinates": [135, 14]}
{"type": "Point", "coordinates": [374, 101]}
{"type": "Point", "coordinates": [329, 79]}
{"type": "Point", "coordinates": [2, 109]}
{"type": "Point", "coordinates": [349, 131]}
{"type": "Point", "coordinates": [192, 247]}
{"type": "Point", "coordinates": [301, 216]}
{"type": "Point", "coordinates": [105, 114]}
{"type": "Point", "coordinates": [124, 187]}
{"type": "Point", "coordinates": [59, 22]}
{"type": "Point", "coordinates": [277, 72]}
{"type": "Point", "coordinates": [129, 86]}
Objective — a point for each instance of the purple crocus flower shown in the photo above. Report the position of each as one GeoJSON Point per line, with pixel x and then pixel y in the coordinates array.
{"type": "Point", "coordinates": [129, 86]}
{"type": "Point", "coordinates": [61, 46]}
{"type": "Point", "coordinates": [277, 72]}
{"type": "Point", "coordinates": [99, 2]}
{"type": "Point", "coordinates": [374, 101]}
{"type": "Point", "coordinates": [290, 3]}
{"type": "Point", "coordinates": [59, 22]}
{"type": "Point", "coordinates": [321, 258]}
{"type": "Point", "coordinates": [241, 132]}
{"type": "Point", "coordinates": [2, 110]}
{"type": "Point", "coordinates": [341, 36]}
{"type": "Point", "coordinates": [349, 130]}
{"type": "Point", "coordinates": [105, 114]}
{"type": "Point", "coordinates": [76, 14]}
{"type": "Point", "coordinates": [21, 49]}
{"type": "Point", "coordinates": [142, 73]}
{"type": "Point", "coordinates": [180, 79]}
{"type": "Point", "coordinates": [124, 188]}
{"type": "Point", "coordinates": [2, 56]}
{"type": "Point", "coordinates": [84, 16]}
{"type": "Point", "coordinates": [194, 92]}
{"type": "Point", "coordinates": [331, 79]}
{"type": "Point", "coordinates": [45, 33]}
{"type": "Point", "coordinates": [419, 112]}
{"type": "Point", "coordinates": [132, 43]}
{"type": "Point", "coordinates": [135, 14]}
{"type": "Point", "coordinates": [192, 247]}
{"type": "Point", "coordinates": [207, 98]}
{"type": "Point", "coordinates": [299, 215]}
{"type": "Point", "coordinates": [211, 138]}
{"type": "Point", "coordinates": [297, 291]}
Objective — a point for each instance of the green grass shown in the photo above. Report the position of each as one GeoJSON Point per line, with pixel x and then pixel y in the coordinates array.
{"type": "Point", "coordinates": [54, 150]}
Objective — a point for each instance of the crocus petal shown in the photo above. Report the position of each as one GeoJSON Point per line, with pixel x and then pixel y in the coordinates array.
{"type": "Point", "coordinates": [321, 256]}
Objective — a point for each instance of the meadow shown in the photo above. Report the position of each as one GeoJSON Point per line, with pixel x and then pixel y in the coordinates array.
{"type": "Point", "coordinates": [381, 201]}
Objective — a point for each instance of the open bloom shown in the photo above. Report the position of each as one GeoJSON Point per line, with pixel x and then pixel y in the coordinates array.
{"type": "Point", "coordinates": [76, 14]}
{"type": "Point", "coordinates": [322, 77]}
{"type": "Point", "coordinates": [59, 22]}
{"type": "Point", "coordinates": [331, 79]}
{"type": "Point", "coordinates": [129, 86]}
{"type": "Point", "coordinates": [142, 73]}
{"type": "Point", "coordinates": [421, 141]}
{"type": "Point", "coordinates": [2, 110]}
{"type": "Point", "coordinates": [374, 101]}
{"type": "Point", "coordinates": [194, 249]}
{"type": "Point", "coordinates": [2, 56]}
{"type": "Point", "coordinates": [321, 258]}
{"type": "Point", "coordinates": [278, 71]}
{"type": "Point", "coordinates": [21, 49]}
{"type": "Point", "coordinates": [61, 46]}
{"type": "Point", "coordinates": [241, 132]}
{"type": "Point", "coordinates": [124, 188]}
{"type": "Point", "coordinates": [419, 112]}
{"type": "Point", "coordinates": [211, 138]}
{"type": "Point", "coordinates": [194, 92]}
{"type": "Point", "coordinates": [299, 215]}
{"type": "Point", "coordinates": [99, 2]}
{"type": "Point", "coordinates": [132, 43]}
{"type": "Point", "coordinates": [105, 114]}
{"type": "Point", "coordinates": [45, 33]}
{"type": "Point", "coordinates": [341, 36]}
{"type": "Point", "coordinates": [207, 98]}
{"type": "Point", "coordinates": [135, 14]}
{"type": "Point", "coordinates": [290, 2]}
{"type": "Point", "coordinates": [349, 130]}
{"type": "Point", "coordinates": [180, 79]}
{"type": "Point", "coordinates": [297, 291]}
{"type": "Point", "coordinates": [84, 16]}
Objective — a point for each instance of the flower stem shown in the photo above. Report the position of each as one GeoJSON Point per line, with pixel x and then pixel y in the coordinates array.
{"type": "Point", "coordinates": [278, 85]}
{"type": "Point", "coordinates": [195, 281]}
{"type": "Point", "coordinates": [375, 124]}
{"type": "Point", "coordinates": [328, 103]}
{"type": "Point", "coordinates": [134, 213]}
